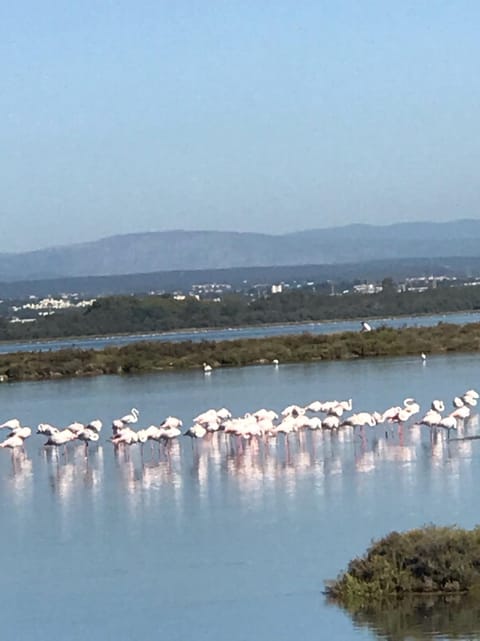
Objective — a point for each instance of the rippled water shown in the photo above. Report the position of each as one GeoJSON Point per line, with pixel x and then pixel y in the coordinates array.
{"type": "Point", "coordinates": [208, 541]}
{"type": "Point", "coordinates": [231, 333]}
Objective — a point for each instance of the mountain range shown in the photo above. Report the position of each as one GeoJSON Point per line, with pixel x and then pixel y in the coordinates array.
{"type": "Point", "coordinates": [204, 250]}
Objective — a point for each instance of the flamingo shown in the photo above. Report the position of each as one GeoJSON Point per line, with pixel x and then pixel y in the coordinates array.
{"type": "Point", "coordinates": [60, 437]}
{"type": "Point", "coordinates": [76, 427]}
{"type": "Point", "coordinates": [361, 419]}
{"type": "Point", "coordinates": [265, 414]}
{"type": "Point", "coordinates": [88, 435]}
{"type": "Point", "coordinates": [171, 432]}
{"type": "Point", "coordinates": [223, 414]}
{"type": "Point", "coordinates": [171, 422]}
{"type": "Point", "coordinates": [130, 418]}
{"type": "Point", "coordinates": [293, 410]}
{"type": "Point", "coordinates": [22, 432]}
{"type": "Point", "coordinates": [154, 433]}
{"type": "Point", "coordinates": [448, 422]}
{"type": "Point", "coordinates": [314, 406]}
{"type": "Point", "coordinates": [438, 406]}
{"type": "Point", "coordinates": [462, 412]}
{"type": "Point", "coordinates": [96, 425]}
{"type": "Point", "coordinates": [126, 435]}
{"type": "Point", "coordinates": [47, 429]}
{"type": "Point", "coordinates": [11, 424]}
{"type": "Point", "coordinates": [313, 423]}
{"type": "Point", "coordinates": [411, 406]}
{"type": "Point", "coordinates": [471, 401]}
{"type": "Point", "coordinates": [431, 418]}
{"type": "Point", "coordinates": [472, 393]}
{"type": "Point", "coordinates": [17, 437]}
{"type": "Point", "coordinates": [12, 442]}
{"type": "Point", "coordinates": [331, 422]}
{"type": "Point", "coordinates": [196, 431]}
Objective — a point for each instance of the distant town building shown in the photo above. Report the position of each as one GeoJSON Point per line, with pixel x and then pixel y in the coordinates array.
{"type": "Point", "coordinates": [367, 288]}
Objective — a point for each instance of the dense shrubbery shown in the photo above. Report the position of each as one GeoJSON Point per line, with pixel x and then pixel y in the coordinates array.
{"type": "Point", "coordinates": [429, 560]}
{"type": "Point", "coordinates": [151, 356]}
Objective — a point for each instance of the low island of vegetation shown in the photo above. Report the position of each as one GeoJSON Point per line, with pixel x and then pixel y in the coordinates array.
{"type": "Point", "coordinates": [426, 561]}
{"type": "Point", "coordinates": [146, 357]}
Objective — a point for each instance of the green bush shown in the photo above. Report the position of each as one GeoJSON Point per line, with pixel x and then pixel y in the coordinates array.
{"type": "Point", "coordinates": [429, 560]}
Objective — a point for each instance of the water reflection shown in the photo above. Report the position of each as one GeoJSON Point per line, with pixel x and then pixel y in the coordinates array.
{"type": "Point", "coordinates": [256, 464]}
{"type": "Point", "coordinates": [20, 479]}
{"type": "Point", "coordinates": [222, 526]}
{"type": "Point", "coordinates": [422, 619]}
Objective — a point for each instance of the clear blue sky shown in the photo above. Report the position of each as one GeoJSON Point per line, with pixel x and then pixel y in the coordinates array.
{"type": "Point", "coordinates": [270, 116]}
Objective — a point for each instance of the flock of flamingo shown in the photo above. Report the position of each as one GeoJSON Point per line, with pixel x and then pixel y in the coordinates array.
{"type": "Point", "coordinates": [261, 425]}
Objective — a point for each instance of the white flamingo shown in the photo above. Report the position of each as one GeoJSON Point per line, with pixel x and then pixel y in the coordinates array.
{"type": "Point", "coordinates": [11, 424]}
{"type": "Point", "coordinates": [196, 431]}
{"type": "Point", "coordinates": [171, 422]}
{"type": "Point", "coordinates": [438, 406]}
{"type": "Point", "coordinates": [88, 435]}
{"type": "Point", "coordinates": [314, 406]}
{"type": "Point", "coordinates": [12, 442]}
{"type": "Point", "coordinates": [60, 437]}
{"type": "Point", "coordinates": [125, 435]}
{"type": "Point", "coordinates": [96, 425]}
{"type": "Point", "coordinates": [432, 418]}
{"type": "Point", "coordinates": [360, 420]}
{"type": "Point", "coordinates": [22, 432]}
{"type": "Point", "coordinates": [331, 422]}
{"type": "Point", "coordinates": [170, 433]}
{"type": "Point", "coordinates": [462, 412]}
{"type": "Point", "coordinates": [130, 418]}
{"type": "Point", "coordinates": [47, 429]}
{"type": "Point", "coordinates": [293, 410]}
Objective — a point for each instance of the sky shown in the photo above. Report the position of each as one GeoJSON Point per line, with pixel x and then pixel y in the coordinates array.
{"type": "Point", "coordinates": [272, 116]}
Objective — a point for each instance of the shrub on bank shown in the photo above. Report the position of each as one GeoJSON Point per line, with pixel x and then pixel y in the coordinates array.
{"type": "Point", "coordinates": [428, 560]}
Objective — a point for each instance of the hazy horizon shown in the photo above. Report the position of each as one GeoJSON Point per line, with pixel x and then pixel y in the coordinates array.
{"type": "Point", "coordinates": [253, 117]}
{"type": "Point", "coordinates": [236, 231]}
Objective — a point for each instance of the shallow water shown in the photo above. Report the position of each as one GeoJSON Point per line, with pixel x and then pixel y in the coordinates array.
{"type": "Point", "coordinates": [208, 541]}
{"type": "Point", "coordinates": [232, 333]}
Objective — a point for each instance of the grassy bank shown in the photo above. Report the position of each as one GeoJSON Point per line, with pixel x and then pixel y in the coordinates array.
{"type": "Point", "coordinates": [156, 356]}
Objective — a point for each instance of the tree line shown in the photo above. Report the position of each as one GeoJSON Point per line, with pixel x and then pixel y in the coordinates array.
{"type": "Point", "coordinates": [144, 314]}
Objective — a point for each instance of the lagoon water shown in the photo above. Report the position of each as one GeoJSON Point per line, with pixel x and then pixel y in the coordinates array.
{"type": "Point", "coordinates": [205, 542]}
{"type": "Point", "coordinates": [233, 333]}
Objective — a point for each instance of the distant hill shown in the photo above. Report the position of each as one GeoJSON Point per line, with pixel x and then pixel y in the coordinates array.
{"type": "Point", "coordinates": [206, 250]}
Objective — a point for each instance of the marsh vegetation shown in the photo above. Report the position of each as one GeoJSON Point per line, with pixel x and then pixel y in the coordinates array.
{"type": "Point", "coordinates": [142, 357]}
{"type": "Point", "coordinates": [428, 560]}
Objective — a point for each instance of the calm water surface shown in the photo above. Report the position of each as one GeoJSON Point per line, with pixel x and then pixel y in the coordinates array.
{"type": "Point", "coordinates": [232, 333]}
{"type": "Point", "coordinates": [211, 543]}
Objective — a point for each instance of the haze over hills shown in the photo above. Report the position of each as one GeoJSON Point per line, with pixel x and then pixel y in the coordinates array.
{"type": "Point", "coordinates": [244, 277]}
{"type": "Point", "coordinates": [206, 250]}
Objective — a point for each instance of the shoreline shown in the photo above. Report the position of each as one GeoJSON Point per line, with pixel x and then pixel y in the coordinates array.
{"type": "Point", "coordinates": [206, 330]}
{"type": "Point", "coordinates": [156, 356]}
